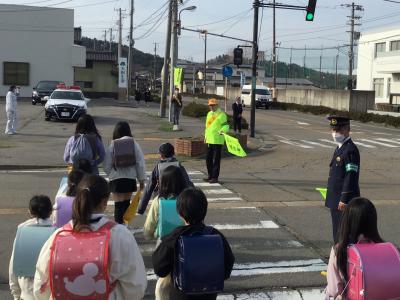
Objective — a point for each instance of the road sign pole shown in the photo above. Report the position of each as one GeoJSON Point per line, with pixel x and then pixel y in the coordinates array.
{"type": "Point", "coordinates": [226, 92]}
{"type": "Point", "coordinates": [254, 69]}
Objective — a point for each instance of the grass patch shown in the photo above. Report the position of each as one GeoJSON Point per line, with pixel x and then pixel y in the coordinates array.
{"type": "Point", "coordinates": [165, 126]}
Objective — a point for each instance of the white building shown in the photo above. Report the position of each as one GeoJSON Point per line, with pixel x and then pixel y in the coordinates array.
{"type": "Point", "coordinates": [37, 43]}
{"type": "Point", "coordinates": [379, 64]}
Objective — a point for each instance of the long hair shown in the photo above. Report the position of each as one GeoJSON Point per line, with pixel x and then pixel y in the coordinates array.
{"type": "Point", "coordinates": [92, 191]}
{"type": "Point", "coordinates": [121, 129]}
{"type": "Point", "coordinates": [73, 181]}
{"type": "Point", "coordinates": [172, 182]}
{"type": "Point", "coordinates": [359, 217]}
{"type": "Point", "coordinates": [86, 125]}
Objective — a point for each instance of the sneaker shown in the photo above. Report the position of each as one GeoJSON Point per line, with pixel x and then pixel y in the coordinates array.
{"type": "Point", "coordinates": [213, 180]}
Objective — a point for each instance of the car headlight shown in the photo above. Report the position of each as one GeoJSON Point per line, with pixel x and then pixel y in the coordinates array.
{"type": "Point", "coordinates": [35, 93]}
{"type": "Point", "coordinates": [50, 107]}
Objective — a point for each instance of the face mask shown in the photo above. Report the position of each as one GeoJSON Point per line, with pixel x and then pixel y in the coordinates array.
{"type": "Point", "coordinates": [338, 137]}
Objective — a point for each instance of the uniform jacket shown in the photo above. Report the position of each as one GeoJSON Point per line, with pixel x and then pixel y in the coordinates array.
{"type": "Point", "coordinates": [138, 171]}
{"type": "Point", "coordinates": [343, 175]}
{"type": "Point", "coordinates": [152, 185]}
{"type": "Point", "coordinates": [237, 109]}
{"type": "Point", "coordinates": [216, 122]}
{"type": "Point", "coordinates": [11, 101]}
{"type": "Point", "coordinates": [125, 264]}
{"type": "Point", "coordinates": [163, 259]}
{"type": "Point", "coordinates": [22, 287]}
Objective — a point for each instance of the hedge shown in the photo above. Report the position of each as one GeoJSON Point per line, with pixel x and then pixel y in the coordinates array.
{"type": "Point", "coordinates": [322, 110]}
{"type": "Point", "coordinates": [197, 110]}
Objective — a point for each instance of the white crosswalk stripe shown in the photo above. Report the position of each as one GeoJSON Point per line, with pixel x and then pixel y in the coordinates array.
{"type": "Point", "coordinates": [295, 144]}
{"type": "Point", "coordinates": [317, 144]}
{"type": "Point", "coordinates": [389, 141]}
{"type": "Point", "coordinates": [364, 145]}
{"type": "Point", "coordinates": [379, 143]}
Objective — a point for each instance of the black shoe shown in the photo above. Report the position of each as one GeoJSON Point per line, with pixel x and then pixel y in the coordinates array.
{"type": "Point", "coordinates": [206, 179]}
{"type": "Point", "coordinates": [213, 180]}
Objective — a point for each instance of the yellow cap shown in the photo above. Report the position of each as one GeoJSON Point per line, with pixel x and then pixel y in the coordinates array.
{"type": "Point", "coordinates": [212, 101]}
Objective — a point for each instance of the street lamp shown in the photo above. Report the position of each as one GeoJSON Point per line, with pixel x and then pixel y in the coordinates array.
{"type": "Point", "coordinates": [190, 8]}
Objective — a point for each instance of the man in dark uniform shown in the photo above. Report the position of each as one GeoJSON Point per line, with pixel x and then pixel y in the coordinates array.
{"type": "Point", "coordinates": [344, 171]}
{"type": "Point", "coordinates": [237, 115]}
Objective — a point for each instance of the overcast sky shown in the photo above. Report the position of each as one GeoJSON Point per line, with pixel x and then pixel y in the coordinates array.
{"type": "Point", "coordinates": [328, 29]}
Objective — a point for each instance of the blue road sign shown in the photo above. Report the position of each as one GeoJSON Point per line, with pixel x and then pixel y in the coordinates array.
{"type": "Point", "coordinates": [227, 71]}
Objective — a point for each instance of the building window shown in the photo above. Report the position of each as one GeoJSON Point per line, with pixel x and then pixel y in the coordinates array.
{"type": "Point", "coordinates": [89, 64]}
{"type": "Point", "coordinates": [389, 83]}
{"type": "Point", "coordinates": [395, 100]}
{"type": "Point", "coordinates": [394, 45]}
{"type": "Point", "coordinates": [379, 48]}
{"type": "Point", "coordinates": [15, 73]}
{"type": "Point", "coordinates": [378, 87]}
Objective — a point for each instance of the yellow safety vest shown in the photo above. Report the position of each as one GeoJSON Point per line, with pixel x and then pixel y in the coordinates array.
{"type": "Point", "coordinates": [216, 122]}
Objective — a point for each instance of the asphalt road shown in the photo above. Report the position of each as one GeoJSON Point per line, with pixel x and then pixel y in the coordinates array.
{"type": "Point", "coordinates": [266, 206]}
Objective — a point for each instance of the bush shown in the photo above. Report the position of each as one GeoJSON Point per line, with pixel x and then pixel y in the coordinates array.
{"type": "Point", "coordinates": [322, 110]}
{"type": "Point", "coordinates": [195, 110]}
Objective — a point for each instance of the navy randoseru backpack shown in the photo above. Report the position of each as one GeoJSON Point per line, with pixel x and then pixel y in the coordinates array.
{"type": "Point", "coordinates": [199, 263]}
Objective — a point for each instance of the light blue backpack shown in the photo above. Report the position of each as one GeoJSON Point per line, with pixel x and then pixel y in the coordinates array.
{"type": "Point", "coordinates": [28, 243]}
{"type": "Point", "coordinates": [168, 217]}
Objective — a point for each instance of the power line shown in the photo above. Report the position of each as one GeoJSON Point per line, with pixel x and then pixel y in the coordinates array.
{"type": "Point", "coordinates": [245, 12]}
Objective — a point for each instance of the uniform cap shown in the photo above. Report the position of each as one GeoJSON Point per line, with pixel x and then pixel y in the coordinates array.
{"type": "Point", "coordinates": [337, 121]}
{"type": "Point", "coordinates": [212, 101]}
{"type": "Point", "coordinates": [167, 150]}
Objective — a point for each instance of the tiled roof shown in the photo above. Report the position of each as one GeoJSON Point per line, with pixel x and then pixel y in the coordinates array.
{"type": "Point", "coordinates": [100, 56]}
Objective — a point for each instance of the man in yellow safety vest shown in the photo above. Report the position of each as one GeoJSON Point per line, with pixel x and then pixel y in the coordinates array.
{"type": "Point", "coordinates": [216, 125]}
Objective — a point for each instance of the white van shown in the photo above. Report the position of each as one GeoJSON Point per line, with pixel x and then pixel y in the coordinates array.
{"type": "Point", "coordinates": [263, 96]}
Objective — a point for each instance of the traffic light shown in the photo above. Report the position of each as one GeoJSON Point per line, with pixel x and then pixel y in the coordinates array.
{"type": "Point", "coordinates": [310, 10]}
{"type": "Point", "coordinates": [237, 56]}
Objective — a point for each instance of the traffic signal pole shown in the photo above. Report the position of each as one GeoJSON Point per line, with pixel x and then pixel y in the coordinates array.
{"type": "Point", "coordinates": [254, 69]}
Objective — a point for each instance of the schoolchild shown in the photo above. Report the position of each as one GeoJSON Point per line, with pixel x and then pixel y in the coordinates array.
{"type": "Point", "coordinates": [192, 207]}
{"type": "Point", "coordinates": [63, 204]}
{"type": "Point", "coordinates": [171, 185]}
{"type": "Point", "coordinates": [40, 209]}
{"type": "Point", "coordinates": [124, 163]}
{"type": "Point", "coordinates": [358, 225]}
{"type": "Point", "coordinates": [82, 165]}
{"type": "Point", "coordinates": [87, 127]}
{"type": "Point", "coordinates": [167, 158]}
{"type": "Point", "coordinates": [124, 265]}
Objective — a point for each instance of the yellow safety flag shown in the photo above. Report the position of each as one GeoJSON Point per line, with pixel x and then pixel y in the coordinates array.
{"type": "Point", "coordinates": [178, 76]}
{"type": "Point", "coordinates": [234, 146]}
{"type": "Point", "coordinates": [131, 211]}
{"type": "Point", "coordinates": [323, 192]}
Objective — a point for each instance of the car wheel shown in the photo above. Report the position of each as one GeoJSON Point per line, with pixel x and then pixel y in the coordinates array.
{"type": "Point", "coordinates": [33, 102]}
{"type": "Point", "coordinates": [47, 119]}
{"type": "Point", "coordinates": [266, 106]}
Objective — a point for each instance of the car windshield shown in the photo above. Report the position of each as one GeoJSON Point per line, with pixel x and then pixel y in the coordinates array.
{"type": "Point", "coordinates": [246, 92]}
{"type": "Point", "coordinates": [47, 85]}
{"type": "Point", "coordinates": [67, 95]}
{"type": "Point", "coordinates": [262, 92]}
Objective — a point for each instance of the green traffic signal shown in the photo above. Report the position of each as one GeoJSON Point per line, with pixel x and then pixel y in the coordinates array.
{"type": "Point", "coordinates": [310, 16]}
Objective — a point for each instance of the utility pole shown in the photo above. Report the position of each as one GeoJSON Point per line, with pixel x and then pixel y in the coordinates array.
{"type": "Point", "coordinates": [290, 63]}
{"type": "Point", "coordinates": [336, 70]}
{"type": "Point", "coordinates": [273, 52]}
{"type": "Point", "coordinates": [130, 55]}
{"type": "Point", "coordinates": [155, 65]}
{"type": "Point", "coordinates": [205, 62]}
{"type": "Point", "coordinates": [165, 73]}
{"type": "Point", "coordinates": [352, 17]}
{"type": "Point", "coordinates": [256, 7]}
{"type": "Point", "coordinates": [111, 40]}
{"type": "Point", "coordinates": [320, 69]}
{"type": "Point", "coordinates": [174, 54]}
{"type": "Point", "coordinates": [121, 91]}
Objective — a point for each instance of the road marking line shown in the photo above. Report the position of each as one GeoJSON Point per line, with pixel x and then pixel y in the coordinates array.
{"type": "Point", "coordinates": [219, 191]}
{"type": "Point", "coordinates": [328, 141]}
{"type": "Point", "coordinates": [364, 145]}
{"type": "Point", "coordinates": [266, 268]}
{"type": "Point", "coordinates": [389, 141]}
{"type": "Point", "coordinates": [382, 133]}
{"type": "Point", "coordinates": [316, 144]}
{"type": "Point", "coordinates": [261, 225]}
{"type": "Point", "coordinates": [295, 144]}
{"type": "Point", "coordinates": [224, 199]}
{"type": "Point", "coordinates": [379, 143]}
{"type": "Point", "coordinates": [207, 184]}
{"type": "Point", "coordinates": [302, 123]}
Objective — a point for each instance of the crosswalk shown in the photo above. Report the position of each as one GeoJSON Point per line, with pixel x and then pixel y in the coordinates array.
{"type": "Point", "coordinates": [261, 246]}
{"type": "Point", "coordinates": [324, 143]}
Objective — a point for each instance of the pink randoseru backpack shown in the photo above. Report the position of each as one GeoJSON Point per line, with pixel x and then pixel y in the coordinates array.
{"type": "Point", "coordinates": [373, 271]}
{"type": "Point", "coordinates": [79, 264]}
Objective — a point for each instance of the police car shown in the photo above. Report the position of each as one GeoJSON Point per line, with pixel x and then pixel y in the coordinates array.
{"type": "Point", "coordinates": [65, 103]}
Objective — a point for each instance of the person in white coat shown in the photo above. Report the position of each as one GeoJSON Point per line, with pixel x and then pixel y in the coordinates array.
{"type": "Point", "coordinates": [11, 110]}
{"type": "Point", "coordinates": [127, 273]}
{"type": "Point", "coordinates": [40, 209]}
